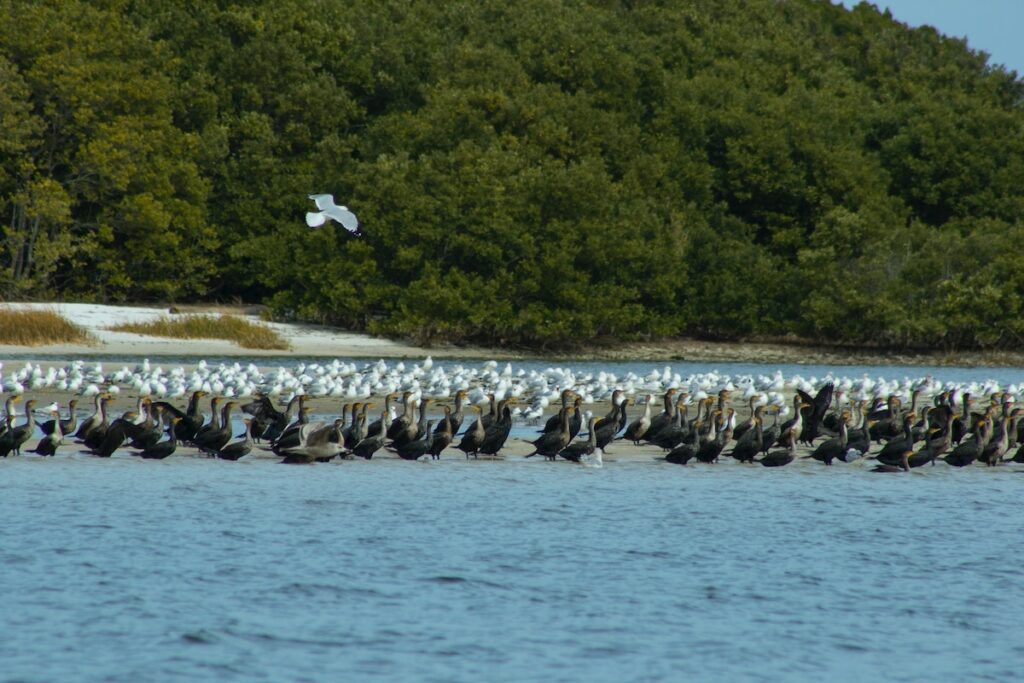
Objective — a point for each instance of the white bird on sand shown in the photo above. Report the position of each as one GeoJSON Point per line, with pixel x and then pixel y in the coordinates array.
{"type": "Point", "coordinates": [328, 209]}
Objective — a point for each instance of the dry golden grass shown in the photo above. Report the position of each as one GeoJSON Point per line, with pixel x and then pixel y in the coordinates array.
{"type": "Point", "coordinates": [38, 328]}
{"type": "Point", "coordinates": [193, 326]}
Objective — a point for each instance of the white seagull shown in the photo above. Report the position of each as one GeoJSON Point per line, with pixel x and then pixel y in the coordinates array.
{"type": "Point", "coordinates": [328, 209]}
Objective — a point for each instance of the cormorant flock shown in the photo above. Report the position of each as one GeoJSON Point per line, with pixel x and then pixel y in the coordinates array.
{"type": "Point", "coordinates": [425, 412]}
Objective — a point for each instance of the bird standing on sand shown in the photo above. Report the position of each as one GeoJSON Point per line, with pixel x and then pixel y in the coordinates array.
{"type": "Point", "coordinates": [50, 442]}
{"type": "Point", "coordinates": [328, 209]}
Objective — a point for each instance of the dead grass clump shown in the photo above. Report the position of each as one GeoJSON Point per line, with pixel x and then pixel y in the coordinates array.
{"type": "Point", "coordinates": [39, 328]}
{"type": "Point", "coordinates": [232, 328]}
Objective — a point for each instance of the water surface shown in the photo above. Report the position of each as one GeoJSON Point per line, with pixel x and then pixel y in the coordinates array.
{"type": "Point", "coordinates": [191, 569]}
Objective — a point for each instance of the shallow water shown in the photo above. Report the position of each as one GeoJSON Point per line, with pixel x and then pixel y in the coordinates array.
{"type": "Point", "coordinates": [191, 569]}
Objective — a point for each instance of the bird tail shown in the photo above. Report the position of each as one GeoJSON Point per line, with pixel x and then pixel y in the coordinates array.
{"type": "Point", "coordinates": [315, 219]}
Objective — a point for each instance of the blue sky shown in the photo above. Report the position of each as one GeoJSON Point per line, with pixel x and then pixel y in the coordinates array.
{"type": "Point", "coordinates": [994, 26]}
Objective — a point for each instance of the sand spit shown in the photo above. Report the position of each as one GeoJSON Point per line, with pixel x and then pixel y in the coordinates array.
{"type": "Point", "coordinates": [305, 340]}
{"type": "Point", "coordinates": [324, 341]}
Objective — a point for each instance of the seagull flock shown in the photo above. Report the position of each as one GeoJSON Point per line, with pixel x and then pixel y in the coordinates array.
{"type": "Point", "coordinates": [535, 388]}
{"type": "Point", "coordinates": [525, 394]}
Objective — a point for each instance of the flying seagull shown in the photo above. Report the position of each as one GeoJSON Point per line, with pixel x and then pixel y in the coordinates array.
{"type": "Point", "coordinates": [328, 209]}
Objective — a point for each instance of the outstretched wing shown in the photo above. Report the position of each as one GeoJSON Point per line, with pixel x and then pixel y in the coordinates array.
{"type": "Point", "coordinates": [308, 433]}
{"type": "Point", "coordinates": [823, 400]}
{"type": "Point", "coordinates": [320, 436]}
{"type": "Point", "coordinates": [345, 217]}
{"type": "Point", "coordinates": [323, 201]}
{"type": "Point", "coordinates": [167, 407]}
{"type": "Point", "coordinates": [805, 398]}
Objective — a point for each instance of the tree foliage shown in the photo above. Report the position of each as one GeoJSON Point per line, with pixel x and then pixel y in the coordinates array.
{"type": "Point", "coordinates": [539, 174]}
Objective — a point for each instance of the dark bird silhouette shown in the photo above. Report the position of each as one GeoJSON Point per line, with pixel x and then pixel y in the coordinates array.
{"type": "Point", "coordinates": [51, 441]}
{"type": "Point", "coordinates": [93, 420]}
{"type": "Point", "coordinates": [903, 466]}
{"type": "Point", "coordinates": [291, 437]}
{"type": "Point", "coordinates": [577, 449]}
{"type": "Point", "coordinates": [358, 430]}
{"type": "Point", "coordinates": [666, 417]}
{"type": "Point", "coordinates": [685, 451]}
{"type": "Point", "coordinates": [793, 427]}
{"type": "Point", "coordinates": [417, 448]}
{"type": "Point", "coordinates": [554, 422]}
{"type": "Point", "coordinates": [410, 431]}
{"type": "Point", "coordinates": [113, 436]}
{"type": "Point", "coordinates": [814, 410]}
{"type": "Point", "coordinates": [778, 458]}
{"type": "Point", "coordinates": [748, 424]}
{"type": "Point", "coordinates": [497, 434]}
{"type": "Point", "coordinates": [963, 420]}
{"type": "Point", "coordinates": [969, 449]}
{"type": "Point", "coordinates": [676, 432]}
{"type": "Point", "coordinates": [239, 449]}
{"type": "Point", "coordinates": [400, 426]}
{"type": "Point", "coordinates": [372, 443]}
{"type": "Point", "coordinates": [892, 451]}
{"type": "Point", "coordinates": [149, 431]}
{"type": "Point", "coordinates": [886, 421]}
{"type": "Point", "coordinates": [439, 440]}
{"type": "Point", "coordinates": [993, 451]}
{"type": "Point", "coordinates": [378, 425]}
{"type": "Point", "coordinates": [66, 426]}
{"type": "Point", "coordinates": [493, 412]}
{"type": "Point", "coordinates": [550, 444]}
{"type": "Point", "coordinates": [456, 415]}
{"type": "Point", "coordinates": [212, 440]}
{"type": "Point", "coordinates": [474, 435]}
{"type": "Point", "coordinates": [609, 426]}
{"type": "Point", "coordinates": [284, 421]}
{"type": "Point", "coordinates": [15, 437]}
{"type": "Point", "coordinates": [711, 447]}
{"type": "Point", "coordinates": [771, 434]}
{"type": "Point", "coordinates": [834, 448]}
{"type": "Point", "coordinates": [751, 443]}
{"type": "Point", "coordinates": [163, 449]}
{"type": "Point", "coordinates": [192, 417]}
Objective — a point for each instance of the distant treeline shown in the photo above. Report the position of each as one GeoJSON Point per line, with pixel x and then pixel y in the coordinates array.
{"type": "Point", "coordinates": [541, 173]}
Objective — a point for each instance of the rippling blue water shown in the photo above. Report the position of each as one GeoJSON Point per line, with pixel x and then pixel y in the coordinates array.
{"type": "Point", "coordinates": [190, 569]}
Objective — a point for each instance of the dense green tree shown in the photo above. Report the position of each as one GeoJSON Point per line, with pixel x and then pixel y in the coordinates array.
{"type": "Point", "coordinates": [539, 174]}
{"type": "Point", "coordinates": [104, 197]}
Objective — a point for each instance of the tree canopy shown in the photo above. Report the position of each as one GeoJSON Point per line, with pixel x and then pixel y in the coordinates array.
{"type": "Point", "coordinates": [530, 173]}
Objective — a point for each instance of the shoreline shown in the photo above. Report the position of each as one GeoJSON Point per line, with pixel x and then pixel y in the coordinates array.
{"type": "Point", "coordinates": [359, 346]}
{"type": "Point", "coordinates": [308, 340]}
{"type": "Point", "coordinates": [798, 353]}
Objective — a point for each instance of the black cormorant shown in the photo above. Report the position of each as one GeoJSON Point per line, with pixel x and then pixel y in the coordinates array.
{"type": "Point", "coordinates": [474, 435]}
{"type": "Point", "coordinates": [162, 449]}
{"type": "Point", "coordinates": [238, 449]}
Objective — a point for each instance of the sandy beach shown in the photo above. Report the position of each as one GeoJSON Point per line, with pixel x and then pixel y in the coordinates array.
{"type": "Point", "coordinates": [325, 341]}
{"type": "Point", "coordinates": [304, 340]}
